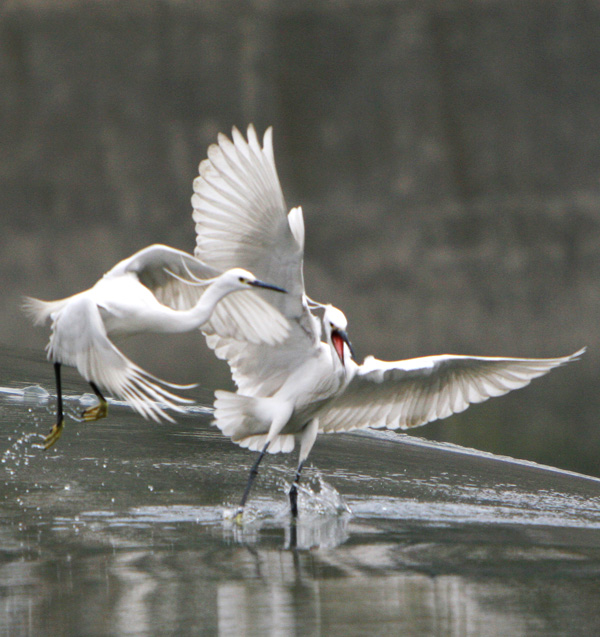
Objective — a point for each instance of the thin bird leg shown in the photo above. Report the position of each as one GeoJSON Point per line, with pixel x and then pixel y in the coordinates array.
{"type": "Point", "coordinates": [253, 474]}
{"type": "Point", "coordinates": [309, 435]}
{"type": "Point", "coordinates": [56, 430]}
{"type": "Point", "coordinates": [293, 494]}
{"type": "Point", "coordinates": [97, 411]}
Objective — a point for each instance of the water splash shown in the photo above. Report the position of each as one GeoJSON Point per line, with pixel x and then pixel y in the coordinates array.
{"type": "Point", "coordinates": [258, 512]}
{"type": "Point", "coordinates": [322, 522]}
{"type": "Point", "coordinates": [31, 394]}
{"type": "Point", "coordinates": [35, 393]}
{"type": "Point", "coordinates": [316, 497]}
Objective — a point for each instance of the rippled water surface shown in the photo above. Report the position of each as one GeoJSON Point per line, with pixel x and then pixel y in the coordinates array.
{"type": "Point", "coordinates": [124, 528]}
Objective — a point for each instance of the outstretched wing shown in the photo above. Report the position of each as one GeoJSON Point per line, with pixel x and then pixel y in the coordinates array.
{"type": "Point", "coordinates": [409, 393]}
{"type": "Point", "coordinates": [79, 339]}
{"type": "Point", "coordinates": [242, 221]}
{"type": "Point", "coordinates": [161, 269]}
{"type": "Point", "coordinates": [241, 217]}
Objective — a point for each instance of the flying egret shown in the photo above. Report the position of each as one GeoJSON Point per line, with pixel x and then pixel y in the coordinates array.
{"type": "Point", "coordinates": [149, 292]}
{"type": "Point", "coordinates": [304, 386]}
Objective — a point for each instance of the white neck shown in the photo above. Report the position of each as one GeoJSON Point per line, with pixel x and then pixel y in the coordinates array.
{"type": "Point", "coordinates": [187, 320]}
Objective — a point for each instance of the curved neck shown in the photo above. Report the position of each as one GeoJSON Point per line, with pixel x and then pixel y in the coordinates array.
{"type": "Point", "coordinates": [196, 316]}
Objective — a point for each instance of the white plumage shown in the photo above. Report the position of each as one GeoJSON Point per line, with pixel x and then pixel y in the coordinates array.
{"type": "Point", "coordinates": [305, 386]}
{"type": "Point", "coordinates": [148, 292]}
{"type": "Point", "coordinates": [410, 393]}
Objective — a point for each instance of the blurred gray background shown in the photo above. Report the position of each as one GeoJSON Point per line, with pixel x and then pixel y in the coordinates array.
{"type": "Point", "coordinates": [446, 155]}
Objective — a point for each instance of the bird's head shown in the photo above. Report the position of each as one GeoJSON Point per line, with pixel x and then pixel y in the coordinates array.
{"type": "Point", "coordinates": [240, 279]}
{"type": "Point", "coordinates": [335, 324]}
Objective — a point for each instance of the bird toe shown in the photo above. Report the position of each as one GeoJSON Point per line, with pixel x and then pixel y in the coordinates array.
{"type": "Point", "coordinates": [55, 433]}
{"type": "Point", "coordinates": [96, 412]}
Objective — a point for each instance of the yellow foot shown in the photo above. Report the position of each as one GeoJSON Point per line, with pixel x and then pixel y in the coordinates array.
{"type": "Point", "coordinates": [239, 517]}
{"type": "Point", "coordinates": [95, 413]}
{"type": "Point", "coordinates": [54, 434]}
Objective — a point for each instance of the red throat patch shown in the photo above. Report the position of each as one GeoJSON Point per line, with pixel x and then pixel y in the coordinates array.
{"type": "Point", "coordinates": [338, 343]}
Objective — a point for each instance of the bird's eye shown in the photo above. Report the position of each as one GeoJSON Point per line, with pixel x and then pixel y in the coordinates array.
{"type": "Point", "coordinates": [243, 279]}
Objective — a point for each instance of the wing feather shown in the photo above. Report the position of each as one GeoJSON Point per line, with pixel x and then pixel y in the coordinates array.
{"type": "Point", "coordinates": [410, 393]}
{"type": "Point", "coordinates": [79, 339]}
{"type": "Point", "coordinates": [155, 266]}
{"type": "Point", "coordinates": [246, 318]}
{"type": "Point", "coordinates": [242, 221]}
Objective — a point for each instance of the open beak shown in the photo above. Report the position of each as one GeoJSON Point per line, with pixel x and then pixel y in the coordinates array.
{"type": "Point", "coordinates": [344, 336]}
{"type": "Point", "coordinates": [338, 338]}
{"type": "Point", "coordinates": [267, 286]}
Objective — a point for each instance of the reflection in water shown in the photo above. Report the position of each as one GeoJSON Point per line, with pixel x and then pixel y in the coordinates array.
{"type": "Point", "coordinates": [408, 604]}
{"type": "Point", "coordinates": [324, 533]}
{"type": "Point", "coordinates": [121, 531]}
{"type": "Point", "coordinates": [268, 608]}
{"type": "Point", "coordinates": [269, 591]}
{"type": "Point", "coordinates": [134, 605]}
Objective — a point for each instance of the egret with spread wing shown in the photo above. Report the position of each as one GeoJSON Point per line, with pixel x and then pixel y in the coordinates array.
{"type": "Point", "coordinates": [161, 290]}
{"type": "Point", "coordinates": [305, 386]}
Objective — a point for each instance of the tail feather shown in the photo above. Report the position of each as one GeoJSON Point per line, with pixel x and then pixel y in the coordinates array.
{"type": "Point", "coordinates": [282, 443]}
{"type": "Point", "coordinates": [246, 420]}
{"type": "Point", "coordinates": [39, 311]}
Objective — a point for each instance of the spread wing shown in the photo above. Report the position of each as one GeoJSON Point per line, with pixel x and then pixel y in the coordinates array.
{"type": "Point", "coordinates": [409, 393]}
{"type": "Point", "coordinates": [79, 339]}
{"type": "Point", "coordinates": [241, 217]}
{"type": "Point", "coordinates": [161, 269]}
{"type": "Point", "coordinates": [242, 221]}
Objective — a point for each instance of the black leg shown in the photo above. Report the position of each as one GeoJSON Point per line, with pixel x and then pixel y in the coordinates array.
{"type": "Point", "coordinates": [253, 474]}
{"type": "Point", "coordinates": [97, 391]}
{"type": "Point", "coordinates": [293, 494]}
{"type": "Point", "coordinates": [56, 430]}
{"type": "Point", "coordinates": [59, 401]}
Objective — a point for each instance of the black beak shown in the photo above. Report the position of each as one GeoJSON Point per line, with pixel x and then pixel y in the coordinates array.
{"type": "Point", "coordinates": [266, 286]}
{"type": "Point", "coordinates": [346, 340]}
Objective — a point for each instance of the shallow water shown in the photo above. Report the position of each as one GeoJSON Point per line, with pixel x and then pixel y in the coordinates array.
{"type": "Point", "coordinates": [122, 528]}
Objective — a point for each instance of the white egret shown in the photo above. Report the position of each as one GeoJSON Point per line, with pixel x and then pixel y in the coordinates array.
{"type": "Point", "coordinates": [303, 386]}
{"type": "Point", "coordinates": [148, 292]}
